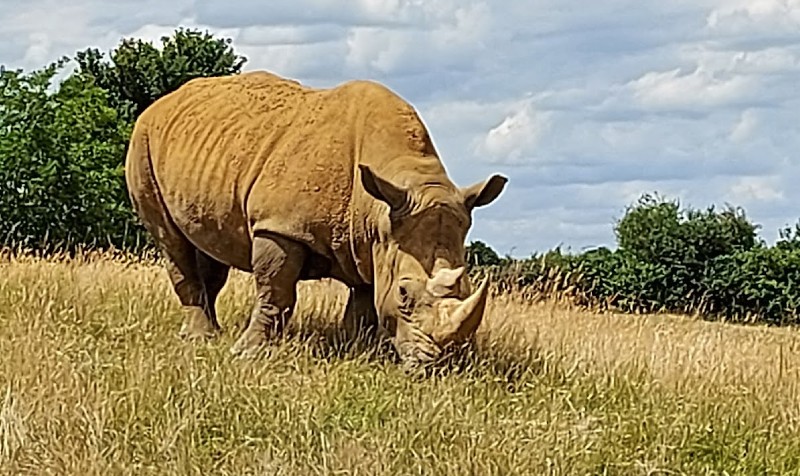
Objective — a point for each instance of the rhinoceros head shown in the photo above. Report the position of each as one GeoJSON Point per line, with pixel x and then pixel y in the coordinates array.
{"type": "Point", "coordinates": [423, 295]}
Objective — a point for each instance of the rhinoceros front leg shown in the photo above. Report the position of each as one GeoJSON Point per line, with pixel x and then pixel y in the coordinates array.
{"type": "Point", "coordinates": [360, 316]}
{"type": "Point", "coordinates": [277, 263]}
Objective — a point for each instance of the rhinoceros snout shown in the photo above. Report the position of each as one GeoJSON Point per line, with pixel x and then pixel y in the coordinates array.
{"type": "Point", "coordinates": [451, 321]}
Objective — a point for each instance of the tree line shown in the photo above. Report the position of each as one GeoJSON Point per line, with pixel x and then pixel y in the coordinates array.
{"type": "Point", "coordinates": [64, 131]}
{"type": "Point", "coordinates": [668, 258]}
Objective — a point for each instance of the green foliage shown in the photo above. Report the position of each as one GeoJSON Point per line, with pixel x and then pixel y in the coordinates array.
{"type": "Point", "coordinates": [789, 238]}
{"type": "Point", "coordinates": [139, 73]}
{"type": "Point", "coordinates": [654, 230]}
{"type": "Point", "coordinates": [761, 283]}
{"type": "Point", "coordinates": [62, 180]}
{"type": "Point", "coordinates": [62, 146]}
{"type": "Point", "coordinates": [668, 259]}
{"type": "Point", "coordinates": [479, 254]}
{"type": "Point", "coordinates": [664, 252]}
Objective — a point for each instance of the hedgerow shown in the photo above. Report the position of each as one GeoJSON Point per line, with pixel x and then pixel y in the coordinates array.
{"type": "Point", "coordinates": [669, 259]}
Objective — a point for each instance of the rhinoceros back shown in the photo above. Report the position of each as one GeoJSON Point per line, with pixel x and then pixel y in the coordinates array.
{"type": "Point", "coordinates": [253, 152]}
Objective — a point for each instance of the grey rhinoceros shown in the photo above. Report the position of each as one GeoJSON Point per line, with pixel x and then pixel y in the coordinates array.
{"type": "Point", "coordinates": [288, 182]}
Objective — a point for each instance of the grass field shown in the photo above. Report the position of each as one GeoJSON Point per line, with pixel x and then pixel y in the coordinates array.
{"type": "Point", "coordinates": [94, 380]}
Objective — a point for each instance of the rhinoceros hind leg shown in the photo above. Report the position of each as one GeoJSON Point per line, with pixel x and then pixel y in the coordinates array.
{"type": "Point", "coordinates": [197, 320]}
{"type": "Point", "coordinates": [196, 279]}
{"type": "Point", "coordinates": [199, 316]}
{"type": "Point", "coordinates": [214, 276]}
{"type": "Point", "coordinates": [277, 264]}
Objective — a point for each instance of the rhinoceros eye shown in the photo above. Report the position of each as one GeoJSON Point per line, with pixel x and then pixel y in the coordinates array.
{"type": "Point", "coordinates": [405, 296]}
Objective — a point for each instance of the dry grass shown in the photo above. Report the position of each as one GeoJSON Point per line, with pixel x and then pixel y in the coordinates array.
{"type": "Point", "coordinates": [94, 380]}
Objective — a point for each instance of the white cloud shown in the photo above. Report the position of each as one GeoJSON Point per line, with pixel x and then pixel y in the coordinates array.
{"type": "Point", "coordinates": [38, 51]}
{"type": "Point", "coordinates": [766, 61]}
{"type": "Point", "coordinates": [755, 16]}
{"type": "Point", "coordinates": [453, 39]}
{"type": "Point", "coordinates": [771, 60]}
{"type": "Point", "coordinates": [281, 35]}
{"type": "Point", "coordinates": [750, 189]}
{"type": "Point", "coordinates": [675, 89]}
{"type": "Point", "coordinates": [744, 129]}
{"type": "Point", "coordinates": [515, 139]}
{"type": "Point", "coordinates": [54, 29]}
{"type": "Point", "coordinates": [370, 48]}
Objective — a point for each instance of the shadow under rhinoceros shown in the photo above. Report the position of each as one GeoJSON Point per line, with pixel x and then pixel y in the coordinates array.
{"type": "Point", "coordinates": [481, 359]}
{"type": "Point", "coordinates": [317, 328]}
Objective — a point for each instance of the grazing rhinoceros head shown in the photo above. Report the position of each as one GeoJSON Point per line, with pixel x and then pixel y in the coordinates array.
{"type": "Point", "coordinates": [422, 293]}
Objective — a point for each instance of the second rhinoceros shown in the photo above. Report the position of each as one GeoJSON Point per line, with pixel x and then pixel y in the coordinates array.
{"type": "Point", "coordinates": [288, 182]}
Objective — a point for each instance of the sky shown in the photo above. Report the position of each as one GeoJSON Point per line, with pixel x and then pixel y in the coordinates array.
{"type": "Point", "coordinates": [584, 106]}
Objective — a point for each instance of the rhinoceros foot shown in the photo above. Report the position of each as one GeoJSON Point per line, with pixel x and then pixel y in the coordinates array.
{"type": "Point", "coordinates": [196, 326]}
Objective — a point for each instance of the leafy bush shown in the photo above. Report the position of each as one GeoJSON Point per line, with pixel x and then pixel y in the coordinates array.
{"type": "Point", "coordinates": [669, 259]}
{"type": "Point", "coordinates": [664, 252]}
{"type": "Point", "coordinates": [759, 284]}
{"type": "Point", "coordinates": [479, 254]}
{"type": "Point", "coordinates": [656, 230]}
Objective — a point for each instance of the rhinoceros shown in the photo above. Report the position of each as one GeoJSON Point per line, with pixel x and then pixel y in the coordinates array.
{"type": "Point", "coordinates": [289, 182]}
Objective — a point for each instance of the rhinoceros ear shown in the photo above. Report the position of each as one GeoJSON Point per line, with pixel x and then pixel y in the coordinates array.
{"type": "Point", "coordinates": [382, 189]}
{"type": "Point", "coordinates": [484, 193]}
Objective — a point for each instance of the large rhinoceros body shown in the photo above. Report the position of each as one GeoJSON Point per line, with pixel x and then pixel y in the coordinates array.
{"type": "Point", "coordinates": [266, 175]}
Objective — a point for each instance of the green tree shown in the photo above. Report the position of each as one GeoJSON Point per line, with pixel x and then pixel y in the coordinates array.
{"type": "Point", "coordinates": [667, 251]}
{"type": "Point", "coordinates": [138, 73]}
{"type": "Point", "coordinates": [61, 179]}
{"type": "Point", "coordinates": [62, 147]}
{"type": "Point", "coordinates": [480, 254]}
{"type": "Point", "coordinates": [656, 230]}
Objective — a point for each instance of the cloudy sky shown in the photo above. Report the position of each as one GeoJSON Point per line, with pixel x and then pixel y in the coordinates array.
{"type": "Point", "coordinates": [583, 105]}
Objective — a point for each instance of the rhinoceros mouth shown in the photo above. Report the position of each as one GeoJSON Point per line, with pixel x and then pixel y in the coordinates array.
{"type": "Point", "coordinates": [440, 327]}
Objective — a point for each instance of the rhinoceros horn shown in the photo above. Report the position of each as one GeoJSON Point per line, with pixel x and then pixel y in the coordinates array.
{"type": "Point", "coordinates": [462, 318]}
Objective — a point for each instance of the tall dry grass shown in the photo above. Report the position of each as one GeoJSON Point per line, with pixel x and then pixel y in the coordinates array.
{"type": "Point", "coordinates": [94, 380]}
